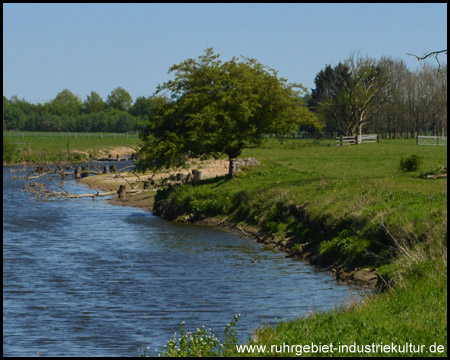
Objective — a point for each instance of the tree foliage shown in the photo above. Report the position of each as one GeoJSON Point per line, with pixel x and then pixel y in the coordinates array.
{"type": "Point", "coordinates": [381, 96]}
{"type": "Point", "coordinates": [94, 103]}
{"type": "Point", "coordinates": [344, 95]}
{"type": "Point", "coordinates": [65, 103]}
{"type": "Point", "coordinates": [67, 113]}
{"type": "Point", "coordinates": [218, 108]}
{"type": "Point", "coordinates": [119, 99]}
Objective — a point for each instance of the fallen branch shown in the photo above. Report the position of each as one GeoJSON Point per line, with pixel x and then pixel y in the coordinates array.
{"type": "Point", "coordinates": [242, 231]}
{"type": "Point", "coordinates": [437, 176]}
{"type": "Point", "coordinates": [75, 196]}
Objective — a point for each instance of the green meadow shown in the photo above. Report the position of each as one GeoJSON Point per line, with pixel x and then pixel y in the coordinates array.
{"type": "Point", "coordinates": [62, 146]}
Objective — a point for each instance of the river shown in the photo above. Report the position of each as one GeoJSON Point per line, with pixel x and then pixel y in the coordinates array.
{"type": "Point", "coordinates": [86, 278]}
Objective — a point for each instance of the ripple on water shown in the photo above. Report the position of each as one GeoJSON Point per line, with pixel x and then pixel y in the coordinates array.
{"type": "Point", "coordinates": [87, 278]}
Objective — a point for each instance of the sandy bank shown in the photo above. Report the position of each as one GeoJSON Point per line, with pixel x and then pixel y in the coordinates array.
{"type": "Point", "coordinates": [145, 200]}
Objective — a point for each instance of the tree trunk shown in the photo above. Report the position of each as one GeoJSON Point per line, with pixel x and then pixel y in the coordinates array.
{"type": "Point", "coordinates": [231, 168]}
{"type": "Point", "coordinates": [122, 192]}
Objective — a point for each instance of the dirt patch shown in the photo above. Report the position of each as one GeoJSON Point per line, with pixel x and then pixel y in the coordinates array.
{"type": "Point", "coordinates": [114, 152]}
{"type": "Point", "coordinates": [145, 200]}
{"type": "Point", "coordinates": [109, 182]}
{"type": "Point", "coordinates": [121, 151]}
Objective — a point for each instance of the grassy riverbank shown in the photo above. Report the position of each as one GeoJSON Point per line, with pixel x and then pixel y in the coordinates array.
{"type": "Point", "coordinates": [347, 208]}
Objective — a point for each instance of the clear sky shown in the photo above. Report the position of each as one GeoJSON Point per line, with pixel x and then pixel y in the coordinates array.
{"type": "Point", "coordinates": [97, 47]}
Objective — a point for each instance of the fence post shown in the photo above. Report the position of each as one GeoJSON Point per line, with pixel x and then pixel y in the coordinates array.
{"type": "Point", "coordinates": [378, 138]}
{"type": "Point", "coordinates": [417, 139]}
{"type": "Point", "coordinates": [342, 140]}
{"type": "Point", "coordinates": [122, 192]}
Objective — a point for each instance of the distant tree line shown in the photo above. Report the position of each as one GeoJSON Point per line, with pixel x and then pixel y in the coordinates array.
{"type": "Point", "coordinates": [358, 95]}
{"type": "Point", "coordinates": [67, 112]}
{"type": "Point", "coordinates": [363, 95]}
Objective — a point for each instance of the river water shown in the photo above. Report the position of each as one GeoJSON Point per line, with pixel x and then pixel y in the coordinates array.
{"type": "Point", "coordinates": [86, 278]}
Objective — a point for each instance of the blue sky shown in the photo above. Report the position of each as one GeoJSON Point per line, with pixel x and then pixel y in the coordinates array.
{"type": "Point", "coordinates": [97, 47]}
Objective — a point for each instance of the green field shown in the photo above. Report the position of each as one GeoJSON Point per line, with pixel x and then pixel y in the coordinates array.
{"type": "Point", "coordinates": [358, 211]}
{"type": "Point", "coordinates": [56, 146]}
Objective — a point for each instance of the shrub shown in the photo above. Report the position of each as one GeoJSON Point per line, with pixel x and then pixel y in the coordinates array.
{"type": "Point", "coordinates": [410, 163]}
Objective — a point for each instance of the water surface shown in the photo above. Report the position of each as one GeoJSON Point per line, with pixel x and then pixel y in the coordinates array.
{"type": "Point", "coordinates": [86, 278]}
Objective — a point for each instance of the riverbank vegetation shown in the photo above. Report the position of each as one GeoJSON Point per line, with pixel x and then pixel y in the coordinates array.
{"type": "Point", "coordinates": [345, 208]}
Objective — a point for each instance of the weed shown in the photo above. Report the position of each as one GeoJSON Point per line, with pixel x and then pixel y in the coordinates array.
{"type": "Point", "coordinates": [201, 343]}
{"type": "Point", "coordinates": [410, 163]}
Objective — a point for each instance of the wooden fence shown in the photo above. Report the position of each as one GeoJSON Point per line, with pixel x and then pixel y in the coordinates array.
{"type": "Point", "coordinates": [357, 139]}
{"type": "Point", "coordinates": [101, 135]}
{"type": "Point", "coordinates": [431, 140]}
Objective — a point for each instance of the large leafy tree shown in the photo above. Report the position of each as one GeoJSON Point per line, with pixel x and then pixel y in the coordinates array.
{"type": "Point", "coordinates": [218, 108]}
{"type": "Point", "coordinates": [344, 95]}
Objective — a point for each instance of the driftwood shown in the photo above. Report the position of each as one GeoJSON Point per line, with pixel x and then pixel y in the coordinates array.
{"type": "Point", "coordinates": [40, 190]}
{"type": "Point", "coordinates": [437, 176]}
{"type": "Point", "coordinates": [48, 186]}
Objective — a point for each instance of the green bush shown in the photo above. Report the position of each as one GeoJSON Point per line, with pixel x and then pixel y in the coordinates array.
{"type": "Point", "coordinates": [410, 163]}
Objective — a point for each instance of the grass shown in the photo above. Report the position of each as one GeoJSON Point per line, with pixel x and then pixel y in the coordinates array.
{"type": "Point", "coordinates": [353, 208]}
{"type": "Point", "coordinates": [413, 313]}
{"type": "Point", "coordinates": [55, 146]}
